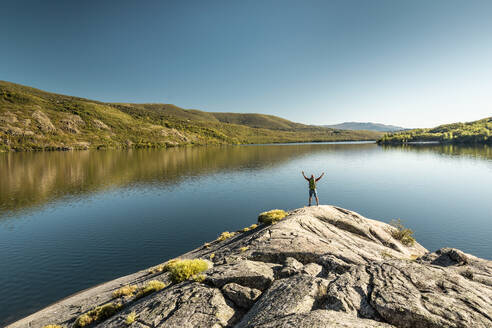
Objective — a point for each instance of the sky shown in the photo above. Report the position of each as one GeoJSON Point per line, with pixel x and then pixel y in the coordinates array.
{"type": "Point", "coordinates": [408, 63]}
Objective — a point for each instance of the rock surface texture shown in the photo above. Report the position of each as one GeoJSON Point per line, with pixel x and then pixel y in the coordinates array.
{"type": "Point", "coordinates": [318, 267]}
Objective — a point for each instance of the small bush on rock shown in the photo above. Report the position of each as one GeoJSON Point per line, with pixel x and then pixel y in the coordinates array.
{"type": "Point", "coordinates": [156, 269]}
{"type": "Point", "coordinates": [151, 287]}
{"type": "Point", "coordinates": [271, 217]}
{"type": "Point", "coordinates": [401, 233]}
{"type": "Point", "coordinates": [131, 318]}
{"type": "Point", "coordinates": [226, 235]}
{"type": "Point", "coordinates": [125, 291]}
{"type": "Point", "coordinates": [198, 277]}
{"type": "Point", "coordinates": [184, 269]}
{"type": "Point", "coordinates": [98, 314]}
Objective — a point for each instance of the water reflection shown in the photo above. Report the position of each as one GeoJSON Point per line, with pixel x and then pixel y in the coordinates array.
{"type": "Point", "coordinates": [471, 151]}
{"type": "Point", "coordinates": [32, 179]}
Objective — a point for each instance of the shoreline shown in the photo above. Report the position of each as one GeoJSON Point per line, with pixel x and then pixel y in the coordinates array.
{"type": "Point", "coordinates": [280, 143]}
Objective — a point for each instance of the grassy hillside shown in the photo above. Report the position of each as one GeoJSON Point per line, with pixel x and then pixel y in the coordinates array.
{"type": "Point", "coordinates": [32, 119]}
{"type": "Point", "coordinates": [467, 133]}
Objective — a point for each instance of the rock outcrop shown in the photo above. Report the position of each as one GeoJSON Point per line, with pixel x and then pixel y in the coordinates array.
{"type": "Point", "coordinates": [318, 267]}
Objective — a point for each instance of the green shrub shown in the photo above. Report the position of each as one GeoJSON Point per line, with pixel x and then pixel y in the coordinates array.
{"type": "Point", "coordinates": [226, 235]}
{"type": "Point", "coordinates": [271, 217]}
{"type": "Point", "coordinates": [151, 287]}
{"type": "Point", "coordinates": [251, 227]}
{"type": "Point", "coordinates": [125, 291]}
{"type": "Point", "coordinates": [184, 269]}
{"type": "Point", "coordinates": [131, 318]}
{"type": "Point", "coordinates": [198, 277]}
{"type": "Point", "coordinates": [98, 314]}
{"type": "Point", "coordinates": [156, 269]}
{"type": "Point", "coordinates": [399, 232]}
{"type": "Point", "coordinates": [83, 320]}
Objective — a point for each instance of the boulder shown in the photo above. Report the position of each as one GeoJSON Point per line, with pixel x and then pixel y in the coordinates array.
{"type": "Point", "coordinates": [290, 267]}
{"type": "Point", "coordinates": [100, 125]}
{"type": "Point", "coordinates": [247, 273]}
{"type": "Point", "coordinates": [312, 269]}
{"type": "Point", "coordinates": [410, 294]}
{"type": "Point", "coordinates": [187, 305]}
{"type": "Point", "coordinates": [323, 319]}
{"type": "Point", "coordinates": [243, 297]}
{"type": "Point", "coordinates": [293, 295]}
{"type": "Point", "coordinates": [43, 121]}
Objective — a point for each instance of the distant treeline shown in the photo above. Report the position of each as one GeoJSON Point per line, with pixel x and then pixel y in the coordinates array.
{"type": "Point", "coordinates": [477, 132]}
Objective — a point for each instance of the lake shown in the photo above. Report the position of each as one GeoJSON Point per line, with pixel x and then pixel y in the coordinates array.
{"type": "Point", "coordinates": [70, 220]}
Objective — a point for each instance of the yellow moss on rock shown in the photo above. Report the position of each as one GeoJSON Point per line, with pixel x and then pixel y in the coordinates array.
{"type": "Point", "coordinates": [151, 287]}
{"type": "Point", "coordinates": [98, 314]}
{"type": "Point", "coordinates": [156, 269]}
{"type": "Point", "coordinates": [131, 318]}
{"type": "Point", "coordinates": [198, 277]}
{"type": "Point", "coordinates": [125, 291]}
{"type": "Point", "coordinates": [226, 235]}
{"type": "Point", "coordinates": [184, 269]}
{"type": "Point", "coordinates": [52, 326]}
{"type": "Point", "coordinates": [271, 217]}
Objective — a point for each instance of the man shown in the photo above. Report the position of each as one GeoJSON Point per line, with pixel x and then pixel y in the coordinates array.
{"type": "Point", "coordinates": [312, 187]}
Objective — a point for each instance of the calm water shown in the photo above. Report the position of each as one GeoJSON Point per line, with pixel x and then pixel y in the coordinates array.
{"type": "Point", "coordinates": [70, 220]}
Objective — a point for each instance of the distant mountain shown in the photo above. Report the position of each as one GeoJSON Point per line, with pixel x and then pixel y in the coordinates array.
{"type": "Point", "coordinates": [365, 126]}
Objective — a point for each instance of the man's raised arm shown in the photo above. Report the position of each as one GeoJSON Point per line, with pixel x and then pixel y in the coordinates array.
{"type": "Point", "coordinates": [320, 176]}
{"type": "Point", "coordinates": [304, 176]}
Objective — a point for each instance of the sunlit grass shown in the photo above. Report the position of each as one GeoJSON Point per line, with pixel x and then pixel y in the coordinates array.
{"type": "Point", "coordinates": [98, 314]}
{"type": "Point", "coordinates": [149, 288]}
{"type": "Point", "coordinates": [125, 291]}
{"type": "Point", "coordinates": [130, 318]}
{"type": "Point", "coordinates": [184, 269]}
{"type": "Point", "coordinates": [198, 277]}
{"type": "Point", "coordinates": [271, 217]}
{"type": "Point", "coordinates": [226, 235]}
{"type": "Point", "coordinates": [399, 232]}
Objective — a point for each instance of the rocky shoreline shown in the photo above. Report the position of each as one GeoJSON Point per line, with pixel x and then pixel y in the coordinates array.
{"type": "Point", "coordinates": [318, 267]}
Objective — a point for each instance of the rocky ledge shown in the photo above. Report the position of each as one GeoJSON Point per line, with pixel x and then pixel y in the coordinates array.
{"type": "Point", "coordinates": [318, 267]}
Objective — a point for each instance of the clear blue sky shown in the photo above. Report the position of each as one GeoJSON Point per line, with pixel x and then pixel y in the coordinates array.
{"type": "Point", "coordinates": [409, 63]}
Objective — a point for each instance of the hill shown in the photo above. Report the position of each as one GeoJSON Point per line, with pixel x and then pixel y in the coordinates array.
{"type": "Point", "coordinates": [468, 133]}
{"type": "Point", "coordinates": [369, 126]}
{"type": "Point", "coordinates": [32, 119]}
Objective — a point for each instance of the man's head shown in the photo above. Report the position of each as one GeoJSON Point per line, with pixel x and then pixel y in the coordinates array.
{"type": "Point", "coordinates": [312, 175]}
